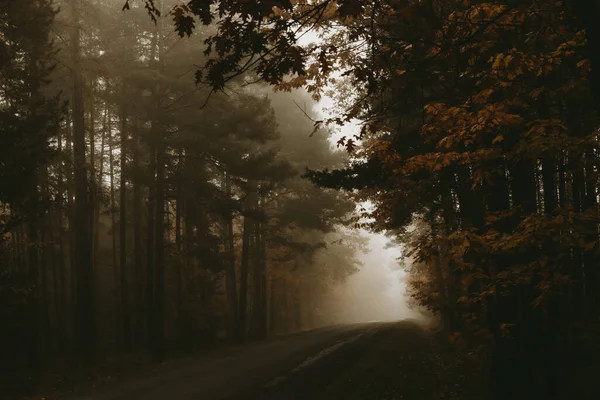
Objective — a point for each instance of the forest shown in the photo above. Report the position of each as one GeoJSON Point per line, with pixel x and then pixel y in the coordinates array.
{"type": "Point", "coordinates": [167, 185]}
{"type": "Point", "coordinates": [135, 220]}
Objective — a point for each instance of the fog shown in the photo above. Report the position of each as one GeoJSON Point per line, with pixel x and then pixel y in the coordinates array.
{"type": "Point", "coordinates": [377, 291]}
{"type": "Point", "coordinates": [179, 176]}
{"type": "Point", "coordinates": [168, 217]}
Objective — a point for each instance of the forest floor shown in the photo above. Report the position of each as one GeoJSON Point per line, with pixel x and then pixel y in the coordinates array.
{"type": "Point", "coordinates": [374, 361]}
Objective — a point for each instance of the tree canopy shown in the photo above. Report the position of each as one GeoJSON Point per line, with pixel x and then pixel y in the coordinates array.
{"type": "Point", "coordinates": [138, 220]}
{"type": "Point", "coordinates": [160, 192]}
{"type": "Point", "coordinates": [478, 125]}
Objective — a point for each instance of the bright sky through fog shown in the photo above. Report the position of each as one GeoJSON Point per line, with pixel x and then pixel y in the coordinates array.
{"type": "Point", "coordinates": [377, 291]}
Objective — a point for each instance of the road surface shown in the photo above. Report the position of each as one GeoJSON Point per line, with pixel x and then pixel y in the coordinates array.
{"type": "Point", "coordinates": [361, 361]}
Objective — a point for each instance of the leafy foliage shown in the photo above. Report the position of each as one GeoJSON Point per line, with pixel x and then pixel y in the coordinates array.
{"type": "Point", "coordinates": [28, 116]}
{"type": "Point", "coordinates": [193, 215]}
{"type": "Point", "coordinates": [479, 120]}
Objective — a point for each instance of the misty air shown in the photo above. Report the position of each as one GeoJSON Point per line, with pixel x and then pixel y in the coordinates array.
{"type": "Point", "coordinates": [299, 199]}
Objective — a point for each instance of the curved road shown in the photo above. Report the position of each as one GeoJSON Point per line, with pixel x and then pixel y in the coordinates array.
{"type": "Point", "coordinates": [359, 361]}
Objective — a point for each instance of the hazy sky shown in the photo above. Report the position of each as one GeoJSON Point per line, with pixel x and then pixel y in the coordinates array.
{"type": "Point", "coordinates": [377, 291]}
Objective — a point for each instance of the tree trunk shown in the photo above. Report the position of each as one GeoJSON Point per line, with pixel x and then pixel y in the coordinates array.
{"type": "Point", "coordinates": [45, 250]}
{"type": "Point", "coordinates": [562, 182]}
{"type": "Point", "coordinates": [244, 272]}
{"type": "Point", "coordinates": [70, 300]}
{"type": "Point", "coordinates": [264, 304]}
{"type": "Point", "coordinates": [255, 325]}
{"type": "Point", "coordinates": [36, 329]}
{"type": "Point", "coordinates": [273, 306]}
{"type": "Point", "coordinates": [231, 280]}
{"type": "Point", "coordinates": [150, 248]}
{"type": "Point", "coordinates": [94, 183]}
{"type": "Point", "coordinates": [579, 294]}
{"type": "Point", "coordinates": [158, 312]}
{"type": "Point", "coordinates": [62, 272]}
{"type": "Point", "coordinates": [137, 241]}
{"type": "Point", "coordinates": [548, 179]}
{"type": "Point", "coordinates": [113, 219]}
{"type": "Point", "coordinates": [179, 248]}
{"type": "Point", "coordinates": [99, 185]}
{"type": "Point", "coordinates": [125, 319]}
{"type": "Point", "coordinates": [590, 260]}
{"type": "Point", "coordinates": [85, 310]}
{"type": "Point", "coordinates": [159, 270]}
{"type": "Point", "coordinates": [260, 290]}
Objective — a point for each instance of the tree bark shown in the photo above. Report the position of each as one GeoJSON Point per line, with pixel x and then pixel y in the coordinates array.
{"type": "Point", "coordinates": [159, 270]}
{"type": "Point", "coordinates": [137, 240]}
{"type": "Point", "coordinates": [85, 308]}
{"type": "Point", "coordinates": [150, 248]}
{"type": "Point", "coordinates": [113, 219]}
{"type": "Point", "coordinates": [99, 185]}
{"type": "Point", "coordinates": [549, 182]}
{"type": "Point", "coordinates": [244, 272]}
{"type": "Point", "coordinates": [231, 280]}
{"type": "Point", "coordinates": [62, 260]}
{"type": "Point", "coordinates": [159, 350]}
{"type": "Point", "coordinates": [125, 319]}
{"type": "Point", "coordinates": [179, 204]}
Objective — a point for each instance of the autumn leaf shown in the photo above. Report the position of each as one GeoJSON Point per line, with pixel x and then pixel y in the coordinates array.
{"type": "Point", "coordinates": [184, 24]}
{"type": "Point", "coordinates": [350, 8]}
{"type": "Point", "coordinates": [584, 64]}
{"type": "Point", "coordinates": [201, 8]}
{"type": "Point", "coordinates": [497, 61]}
{"type": "Point", "coordinates": [350, 145]}
{"type": "Point", "coordinates": [282, 4]}
{"type": "Point", "coordinates": [316, 127]}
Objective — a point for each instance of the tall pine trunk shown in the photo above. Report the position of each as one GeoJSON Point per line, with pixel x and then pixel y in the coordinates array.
{"type": "Point", "coordinates": [62, 258]}
{"type": "Point", "coordinates": [159, 258]}
{"type": "Point", "coordinates": [138, 268]}
{"type": "Point", "coordinates": [231, 280]}
{"type": "Point", "coordinates": [85, 323]}
{"type": "Point", "coordinates": [99, 184]}
{"type": "Point", "coordinates": [179, 204]}
{"type": "Point", "coordinates": [113, 221]}
{"type": "Point", "coordinates": [150, 248]}
{"type": "Point", "coordinates": [125, 319]}
{"type": "Point", "coordinates": [244, 272]}
{"type": "Point", "coordinates": [158, 312]}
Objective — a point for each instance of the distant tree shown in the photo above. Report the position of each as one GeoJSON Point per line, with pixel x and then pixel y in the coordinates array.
{"type": "Point", "coordinates": [29, 115]}
{"type": "Point", "coordinates": [479, 119]}
{"type": "Point", "coordinates": [29, 120]}
{"type": "Point", "coordinates": [138, 219]}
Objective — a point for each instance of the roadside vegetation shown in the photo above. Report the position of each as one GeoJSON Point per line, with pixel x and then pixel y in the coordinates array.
{"type": "Point", "coordinates": [155, 200]}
